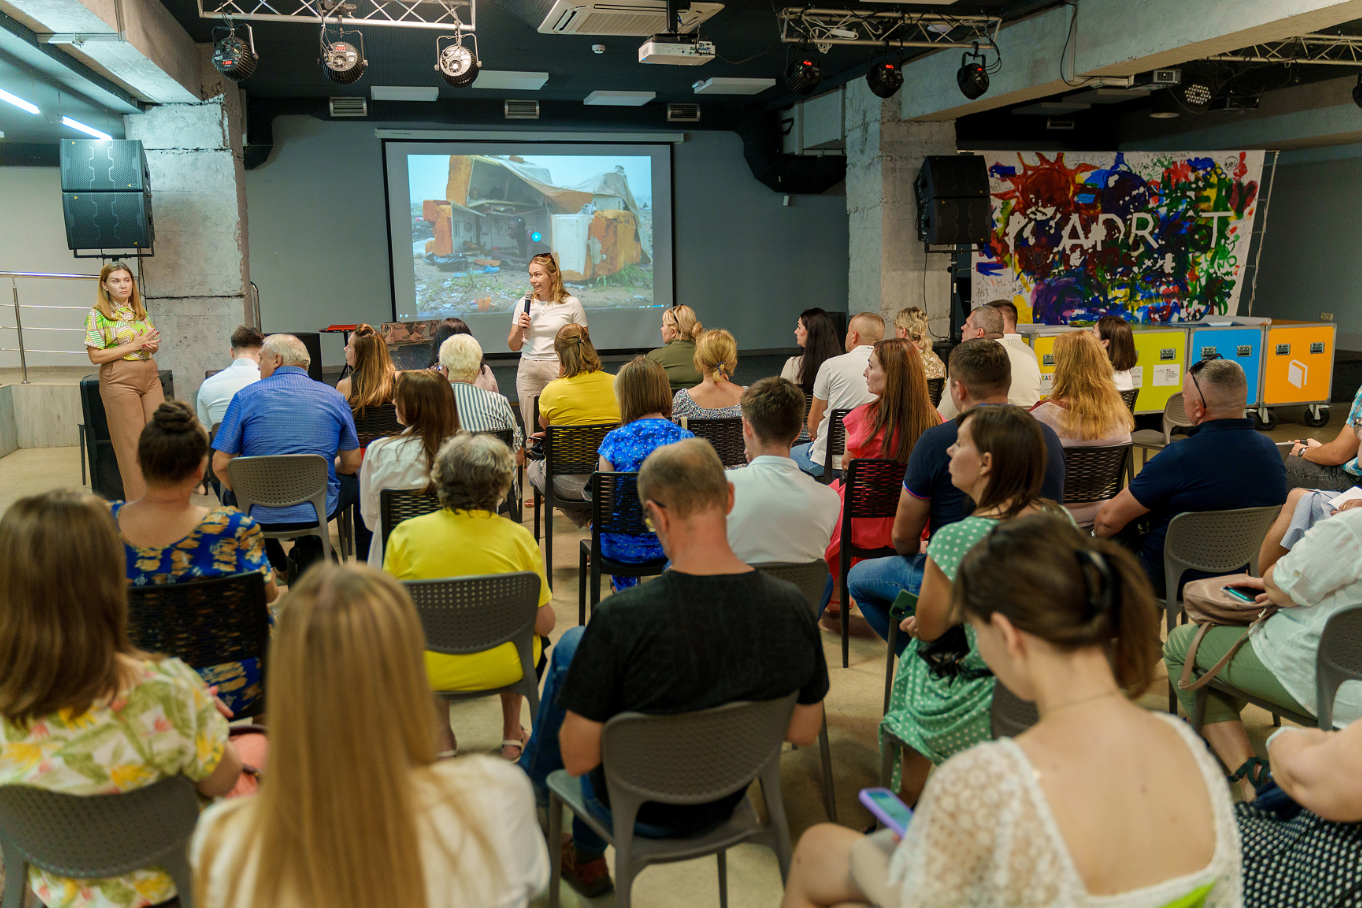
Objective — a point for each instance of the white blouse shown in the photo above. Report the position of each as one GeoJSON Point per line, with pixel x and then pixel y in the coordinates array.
{"type": "Point", "coordinates": [398, 462]}
{"type": "Point", "coordinates": [1125, 381]}
{"type": "Point", "coordinates": [546, 320]}
{"type": "Point", "coordinates": [984, 836]}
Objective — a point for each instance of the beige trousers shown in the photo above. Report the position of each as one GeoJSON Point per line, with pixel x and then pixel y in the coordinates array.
{"type": "Point", "coordinates": [530, 380]}
{"type": "Point", "coordinates": [131, 392]}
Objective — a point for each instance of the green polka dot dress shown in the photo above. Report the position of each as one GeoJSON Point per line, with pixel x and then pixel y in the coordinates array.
{"type": "Point", "coordinates": [939, 717]}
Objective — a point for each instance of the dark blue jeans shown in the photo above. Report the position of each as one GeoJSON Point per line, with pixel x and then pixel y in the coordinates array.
{"type": "Point", "coordinates": [875, 583]}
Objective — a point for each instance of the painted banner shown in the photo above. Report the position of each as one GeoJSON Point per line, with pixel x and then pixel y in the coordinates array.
{"type": "Point", "coordinates": [1152, 236]}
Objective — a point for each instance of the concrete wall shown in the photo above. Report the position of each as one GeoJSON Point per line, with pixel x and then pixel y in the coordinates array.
{"type": "Point", "coordinates": [319, 236]}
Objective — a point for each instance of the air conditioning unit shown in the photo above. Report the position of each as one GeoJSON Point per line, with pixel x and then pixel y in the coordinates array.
{"type": "Point", "coordinates": [349, 107]}
{"type": "Point", "coordinates": [640, 18]}
{"type": "Point", "coordinates": [683, 113]}
{"type": "Point", "coordinates": [521, 110]}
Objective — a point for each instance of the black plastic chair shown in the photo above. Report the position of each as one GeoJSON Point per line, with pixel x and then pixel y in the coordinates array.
{"type": "Point", "coordinates": [205, 623]}
{"type": "Point", "coordinates": [872, 488]}
{"type": "Point", "coordinates": [568, 451]}
{"type": "Point", "coordinates": [905, 604]}
{"type": "Point", "coordinates": [837, 446]}
{"type": "Point", "coordinates": [1094, 474]}
{"type": "Point", "coordinates": [615, 508]}
{"type": "Point", "coordinates": [513, 506]}
{"type": "Point", "coordinates": [724, 434]}
{"type": "Point", "coordinates": [1129, 398]}
{"type": "Point", "coordinates": [935, 386]}
{"type": "Point", "coordinates": [376, 421]}
{"type": "Point", "coordinates": [396, 505]}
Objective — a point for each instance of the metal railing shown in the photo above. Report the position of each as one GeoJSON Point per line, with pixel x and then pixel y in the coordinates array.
{"type": "Point", "coordinates": [18, 326]}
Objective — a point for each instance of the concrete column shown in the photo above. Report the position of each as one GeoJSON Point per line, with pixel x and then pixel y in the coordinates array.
{"type": "Point", "coordinates": [197, 285]}
{"type": "Point", "coordinates": [889, 269]}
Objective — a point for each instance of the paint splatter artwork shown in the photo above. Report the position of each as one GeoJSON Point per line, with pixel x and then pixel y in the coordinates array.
{"type": "Point", "coordinates": [1154, 237]}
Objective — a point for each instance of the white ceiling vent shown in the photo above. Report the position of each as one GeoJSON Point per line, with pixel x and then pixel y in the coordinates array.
{"type": "Point", "coordinates": [349, 107]}
{"type": "Point", "coordinates": [639, 18]}
{"type": "Point", "coordinates": [521, 110]}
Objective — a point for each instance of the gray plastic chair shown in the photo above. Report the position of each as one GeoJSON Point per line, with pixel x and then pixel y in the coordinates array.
{"type": "Point", "coordinates": [688, 758]}
{"type": "Point", "coordinates": [96, 836]}
{"type": "Point", "coordinates": [812, 580]}
{"type": "Point", "coordinates": [1217, 542]}
{"type": "Point", "coordinates": [282, 480]}
{"type": "Point", "coordinates": [1009, 714]}
{"type": "Point", "coordinates": [466, 615]}
{"type": "Point", "coordinates": [1174, 417]}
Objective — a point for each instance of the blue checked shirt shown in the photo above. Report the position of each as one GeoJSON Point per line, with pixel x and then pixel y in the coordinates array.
{"type": "Point", "coordinates": [289, 413]}
{"type": "Point", "coordinates": [1355, 420]}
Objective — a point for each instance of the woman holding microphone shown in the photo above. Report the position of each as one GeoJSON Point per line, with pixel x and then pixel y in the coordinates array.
{"type": "Point", "coordinates": [539, 316]}
{"type": "Point", "coordinates": [120, 338]}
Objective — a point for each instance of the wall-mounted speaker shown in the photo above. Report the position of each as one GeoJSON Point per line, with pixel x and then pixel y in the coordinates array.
{"type": "Point", "coordinates": [108, 220]}
{"type": "Point", "coordinates": [953, 176]}
{"type": "Point", "coordinates": [104, 165]}
{"type": "Point", "coordinates": [954, 222]}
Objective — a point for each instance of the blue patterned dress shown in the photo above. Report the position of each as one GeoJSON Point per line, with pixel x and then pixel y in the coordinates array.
{"type": "Point", "coordinates": [626, 448]}
{"type": "Point", "coordinates": [226, 541]}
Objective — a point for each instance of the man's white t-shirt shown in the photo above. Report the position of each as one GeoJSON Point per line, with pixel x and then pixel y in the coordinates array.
{"type": "Point", "coordinates": [780, 513]}
{"type": "Point", "coordinates": [840, 382]}
{"type": "Point", "coordinates": [217, 390]}
{"type": "Point", "coordinates": [546, 320]}
{"type": "Point", "coordinates": [1025, 389]}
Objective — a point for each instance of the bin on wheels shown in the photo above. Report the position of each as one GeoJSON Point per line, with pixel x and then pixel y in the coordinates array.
{"type": "Point", "coordinates": [1240, 342]}
{"type": "Point", "coordinates": [1298, 368]}
{"type": "Point", "coordinates": [1160, 358]}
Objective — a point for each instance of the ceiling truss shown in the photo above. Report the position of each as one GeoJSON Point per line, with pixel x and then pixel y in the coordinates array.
{"type": "Point", "coordinates": [444, 15]}
{"type": "Point", "coordinates": [827, 27]}
{"type": "Point", "coordinates": [1330, 50]}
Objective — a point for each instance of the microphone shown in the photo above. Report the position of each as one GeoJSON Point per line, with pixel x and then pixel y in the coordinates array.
{"type": "Point", "coordinates": [527, 304]}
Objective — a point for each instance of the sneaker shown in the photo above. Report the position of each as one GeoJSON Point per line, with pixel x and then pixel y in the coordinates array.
{"type": "Point", "coordinates": [592, 878]}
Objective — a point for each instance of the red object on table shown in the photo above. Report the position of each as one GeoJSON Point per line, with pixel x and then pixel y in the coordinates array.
{"type": "Point", "coordinates": [337, 329]}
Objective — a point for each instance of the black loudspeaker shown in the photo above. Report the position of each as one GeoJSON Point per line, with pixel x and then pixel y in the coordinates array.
{"type": "Point", "coordinates": [313, 342]}
{"type": "Point", "coordinates": [102, 165]}
{"type": "Point", "coordinates": [105, 479]}
{"type": "Point", "coordinates": [952, 222]}
{"type": "Point", "coordinates": [108, 220]}
{"type": "Point", "coordinates": [952, 176]}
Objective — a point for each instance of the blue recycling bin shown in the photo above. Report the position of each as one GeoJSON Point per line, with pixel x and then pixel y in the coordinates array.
{"type": "Point", "coordinates": [1242, 344]}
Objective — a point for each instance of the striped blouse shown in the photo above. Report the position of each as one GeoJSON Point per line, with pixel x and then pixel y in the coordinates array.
{"type": "Point", "coordinates": [484, 411]}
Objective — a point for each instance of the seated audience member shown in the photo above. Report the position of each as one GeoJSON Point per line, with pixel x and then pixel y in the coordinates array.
{"type": "Point", "coordinates": [840, 385]}
{"type": "Point", "coordinates": [887, 428]}
{"type": "Point", "coordinates": [373, 375]}
{"type": "Point", "coordinates": [780, 513]}
{"type": "Point", "coordinates": [583, 395]}
{"type": "Point", "coordinates": [82, 711]}
{"type": "Point", "coordinates": [988, 322]}
{"type": "Point", "coordinates": [817, 334]}
{"type": "Point", "coordinates": [479, 410]}
{"type": "Point", "coordinates": [645, 399]}
{"type": "Point", "coordinates": [1320, 576]}
{"type": "Point", "coordinates": [1084, 407]}
{"type": "Point", "coordinates": [1100, 802]}
{"type": "Point", "coordinates": [425, 406]}
{"type": "Point", "coordinates": [911, 325]}
{"type": "Point", "coordinates": [288, 413]}
{"type": "Point", "coordinates": [472, 474]}
{"type": "Point", "coordinates": [1333, 465]}
{"type": "Point", "coordinates": [216, 391]}
{"type": "Point", "coordinates": [716, 357]}
{"type": "Point", "coordinates": [169, 539]}
{"type": "Point", "coordinates": [680, 330]}
{"type": "Point", "coordinates": [1223, 464]}
{"type": "Point", "coordinates": [456, 327]}
{"type": "Point", "coordinates": [942, 689]}
{"type": "Point", "coordinates": [1303, 509]}
{"type": "Point", "coordinates": [1115, 336]}
{"type": "Point", "coordinates": [679, 643]}
{"type": "Point", "coordinates": [370, 818]}
{"type": "Point", "coordinates": [979, 376]}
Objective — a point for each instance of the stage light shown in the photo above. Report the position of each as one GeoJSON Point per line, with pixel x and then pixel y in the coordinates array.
{"type": "Point", "coordinates": [884, 79]}
{"type": "Point", "coordinates": [88, 130]}
{"type": "Point", "coordinates": [343, 61]}
{"type": "Point", "coordinates": [972, 77]}
{"type": "Point", "coordinates": [803, 75]}
{"type": "Point", "coordinates": [235, 57]}
{"type": "Point", "coordinates": [18, 102]}
{"type": "Point", "coordinates": [1195, 95]}
{"type": "Point", "coordinates": [456, 64]}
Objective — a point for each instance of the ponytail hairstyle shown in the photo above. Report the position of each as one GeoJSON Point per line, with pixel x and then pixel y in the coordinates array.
{"type": "Point", "coordinates": [550, 265]}
{"type": "Point", "coordinates": [575, 351]}
{"type": "Point", "coordinates": [716, 355]}
{"type": "Point", "coordinates": [172, 445]}
{"type": "Point", "coordinates": [682, 320]}
{"type": "Point", "coordinates": [1070, 590]}
{"type": "Point", "coordinates": [425, 402]}
{"type": "Point", "coordinates": [374, 375]}
{"type": "Point", "coordinates": [104, 302]}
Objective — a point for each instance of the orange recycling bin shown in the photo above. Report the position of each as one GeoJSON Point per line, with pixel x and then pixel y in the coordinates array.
{"type": "Point", "coordinates": [1298, 364]}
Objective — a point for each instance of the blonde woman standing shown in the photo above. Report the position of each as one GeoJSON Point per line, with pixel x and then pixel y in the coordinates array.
{"type": "Point", "coordinates": [538, 317]}
{"type": "Point", "coordinates": [716, 357]}
{"type": "Point", "coordinates": [911, 325]}
{"type": "Point", "coordinates": [120, 338]}
{"type": "Point", "coordinates": [680, 328]}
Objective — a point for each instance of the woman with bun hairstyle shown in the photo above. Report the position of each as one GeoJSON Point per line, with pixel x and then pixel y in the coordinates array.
{"type": "Point", "coordinates": [911, 325]}
{"type": "Point", "coordinates": [537, 318]}
{"type": "Point", "coordinates": [680, 328]}
{"type": "Point", "coordinates": [169, 539]}
{"type": "Point", "coordinates": [120, 338]}
{"type": "Point", "coordinates": [716, 357]}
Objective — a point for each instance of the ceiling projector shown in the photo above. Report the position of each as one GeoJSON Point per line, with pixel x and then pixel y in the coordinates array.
{"type": "Point", "coordinates": [675, 50]}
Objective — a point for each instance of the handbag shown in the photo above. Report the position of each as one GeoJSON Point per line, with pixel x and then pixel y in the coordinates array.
{"type": "Point", "coordinates": [1208, 605]}
{"type": "Point", "coordinates": [945, 656]}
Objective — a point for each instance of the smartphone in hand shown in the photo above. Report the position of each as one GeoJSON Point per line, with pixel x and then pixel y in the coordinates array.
{"type": "Point", "coordinates": [1242, 593]}
{"type": "Point", "coordinates": [887, 808]}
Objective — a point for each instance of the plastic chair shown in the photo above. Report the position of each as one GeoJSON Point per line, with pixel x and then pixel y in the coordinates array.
{"type": "Point", "coordinates": [1094, 474]}
{"type": "Point", "coordinates": [1217, 542]}
{"type": "Point", "coordinates": [97, 836]}
{"type": "Point", "coordinates": [1009, 714]}
{"type": "Point", "coordinates": [467, 615]}
{"type": "Point", "coordinates": [205, 623]}
{"type": "Point", "coordinates": [615, 508]}
{"type": "Point", "coordinates": [209, 476]}
{"type": "Point", "coordinates": [905, 603]}
{"type": "Point", "coordinates": [935, 387]}
{"type": "Point", "coordinates": [837, 446]}
{"type": "Point", "coordinates": [871, 489]}
{"type": "Point", "coordinates": [812, 580]}
{"type": "Point", "coordinates": [376, 421]}
{"type": "Point", "coordinates": [568, 451]}
{"type": "Point", "coordinates": [1129, 398]}
{"type": "Point", "coordinates": [397, 505]}
{"type": "Point", "coordinates": [282, 480]}
{"type": "Point", "coordinates": [1174, 417]}
{"type": "Point", "coordinates": [513, 506]}
{"type": "Point", "coordinates": [724, 434]}
{"type": "Point", "coordinates": [688, 758]}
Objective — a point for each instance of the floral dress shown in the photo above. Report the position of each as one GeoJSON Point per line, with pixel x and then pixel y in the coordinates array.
{"type": "Point", "coordinates": [226, 541]}
{"type": "Point", "coordinates": [683, 405]}
{"type": "Point", "coordinates": [102, 333]}
{"type": "Point", "coordinates": [165, 724]}
{"type": "Point", "coordinates": [625, 449]}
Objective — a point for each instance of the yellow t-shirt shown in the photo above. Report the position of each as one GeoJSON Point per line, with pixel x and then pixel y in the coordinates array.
{"type": "Point", "coordinates": [583, 399]}
{"type": "Point", "coordinates": [463, 544]}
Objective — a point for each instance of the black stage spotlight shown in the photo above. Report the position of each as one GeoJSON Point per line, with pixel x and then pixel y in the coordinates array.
{"type": "Point", "coordinates": [233, 56]}
{"type": "Point", "coordinates": [803, 75]}
{"type": "Point", "coordinates": [972, 77]}
{"type": "Point", "coordinates": [1196, 91]}
{"type": "Point", "coordinates": [1357, 91]}
{"type": "Point", "coordinates": [456, 64]}
{"type": "Point", "coordinates": [884, 79]}
{"type": "Point", "coordinates": [343, 61]}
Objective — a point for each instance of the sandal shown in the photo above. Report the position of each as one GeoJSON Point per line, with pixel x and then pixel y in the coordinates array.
{"type": "Point", "coordinates": [518, 744]}
{"type": "Point", "coordinates": [1257, 770]}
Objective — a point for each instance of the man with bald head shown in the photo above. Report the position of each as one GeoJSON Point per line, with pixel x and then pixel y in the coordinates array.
{"type": "Point", "coordinates": [1223, 464]}
{"type": "Point", "coordinates": [839, 385]}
